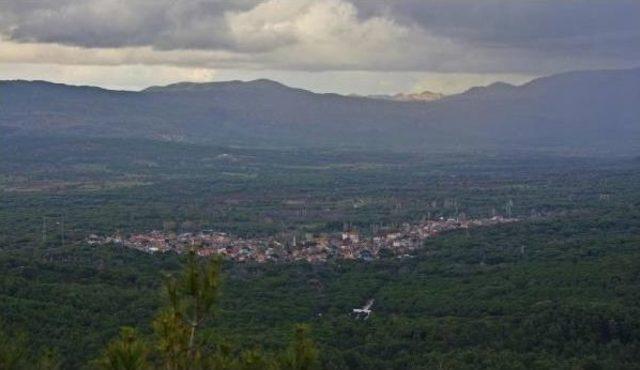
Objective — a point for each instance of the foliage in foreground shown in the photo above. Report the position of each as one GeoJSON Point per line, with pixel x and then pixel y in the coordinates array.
{"type": "Point", "coordinates": [179, 341]}
{"type": "Point", "coordinates": [14, 354]}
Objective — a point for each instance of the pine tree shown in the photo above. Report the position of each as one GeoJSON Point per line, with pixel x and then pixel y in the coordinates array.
{"type": "Point", "coordinates": [13, 354]}
{"type": "Point", "coordinates": [302, 353]}
{"type": "Point", "coordinates": [127, 352]}
{"type": "Point", "coordinates": [191, 301]}
{"type": "Point", "coordinates": [49, 360]}
{"type": "Point", "coordinates": [178, 344]}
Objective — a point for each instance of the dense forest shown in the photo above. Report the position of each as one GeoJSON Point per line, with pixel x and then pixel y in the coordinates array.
{"type": "Point", "coordinates": [556, 290]}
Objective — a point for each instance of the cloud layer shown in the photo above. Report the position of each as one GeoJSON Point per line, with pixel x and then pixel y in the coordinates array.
{"type": "Point", "coordinates": [518, 36]}
{"type": "Point", "coordinates": [361, 46]}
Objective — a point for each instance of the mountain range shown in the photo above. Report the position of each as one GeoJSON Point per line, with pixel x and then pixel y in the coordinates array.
{"type": "Point", "coordinates": [585, 110]}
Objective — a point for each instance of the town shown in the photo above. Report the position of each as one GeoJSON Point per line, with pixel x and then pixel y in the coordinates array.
{"type": "Point", "coordinates": [396, 242]}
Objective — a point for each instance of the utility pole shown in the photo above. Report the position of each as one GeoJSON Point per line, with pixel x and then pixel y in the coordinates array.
{"type": "Point", "coordinates": [44, 229]}
{"type": "Point", "coordinates": [508, 207]}
{"type": "Point", "coordinates": [62, 230]}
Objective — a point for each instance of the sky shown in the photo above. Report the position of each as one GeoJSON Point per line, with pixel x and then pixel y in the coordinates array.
{"type": "Point", "coordinates": [343, 46]}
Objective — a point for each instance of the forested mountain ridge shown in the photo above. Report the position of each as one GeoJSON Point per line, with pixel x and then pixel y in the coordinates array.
{"type": "Point", "coordinates": [582, 110]}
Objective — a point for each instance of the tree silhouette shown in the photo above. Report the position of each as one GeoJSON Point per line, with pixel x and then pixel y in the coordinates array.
{"type": "Point", "coordinates": [177, 344]}
{"type": "Point", "coordinates": [127, 352]}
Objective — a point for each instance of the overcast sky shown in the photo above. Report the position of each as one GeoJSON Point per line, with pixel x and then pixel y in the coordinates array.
{"type": "Point", "coordinates": [345, 46]}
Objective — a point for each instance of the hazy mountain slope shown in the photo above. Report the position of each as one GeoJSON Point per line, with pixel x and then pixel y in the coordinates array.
{"type": "Point", "coordinates": [595, 107]}
{"type": "Point", "coordinates": [578, 109]}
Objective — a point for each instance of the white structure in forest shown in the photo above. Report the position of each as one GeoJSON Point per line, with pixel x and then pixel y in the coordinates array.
{"type": "Point", "coordinates": [365, 311]}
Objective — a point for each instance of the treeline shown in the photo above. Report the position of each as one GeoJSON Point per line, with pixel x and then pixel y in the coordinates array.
{"type": "Point", "coordinates": [477, 300]}
{"type": "Point", "coordinates": [181, 340]}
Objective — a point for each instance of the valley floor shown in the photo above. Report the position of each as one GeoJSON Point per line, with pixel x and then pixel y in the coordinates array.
{"type": "Point", "coordinates": [556, 290]}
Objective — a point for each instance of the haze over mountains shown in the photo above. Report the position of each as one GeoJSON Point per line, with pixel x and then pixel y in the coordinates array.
{"type": "Point", "coordinates": [419, 96]}
{"type": "Point", "coordinates": [588, 110]}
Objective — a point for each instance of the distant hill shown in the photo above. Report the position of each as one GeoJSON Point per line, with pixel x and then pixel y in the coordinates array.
{"type": "Point", "coordinates": [577, 110]}
{"type": "Point", "coordinates": [424, 96]}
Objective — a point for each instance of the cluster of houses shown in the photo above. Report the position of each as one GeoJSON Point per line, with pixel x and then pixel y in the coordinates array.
{"type": "Point", "coordinates": [399, 242]}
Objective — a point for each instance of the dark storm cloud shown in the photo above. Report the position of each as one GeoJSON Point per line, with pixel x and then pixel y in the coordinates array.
{"type": "Point", "coordinates": [166, 24]}
{"type": "Point", "coordinates": [605, 28]}
{"type": "Point", "coordinates": [528, 36]}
